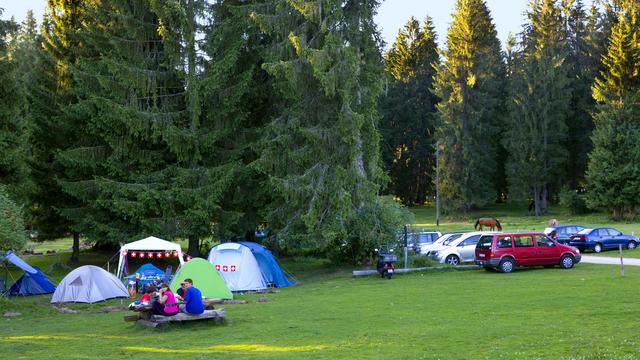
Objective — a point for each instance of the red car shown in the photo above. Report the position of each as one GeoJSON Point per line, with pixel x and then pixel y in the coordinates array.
{"type": "Point", "coordinates": [505, 251]}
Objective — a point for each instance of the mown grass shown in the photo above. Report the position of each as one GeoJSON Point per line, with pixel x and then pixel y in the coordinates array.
{"type": "Point", "coordinates": [587, 312]}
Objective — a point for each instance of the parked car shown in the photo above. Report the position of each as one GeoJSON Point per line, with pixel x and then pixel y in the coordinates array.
{"type": "Point", "coordinates": [416, 239]}
{"type": "Point", "coordinates": [563, 233]}
{"type": "Point", "coordinates": [459, 250]}
{"type": "Point", "coordinates": [446, 238]}
{"type": "Point", "coordinates": [602, 238]}
{"type": "Point", "coordinates": [505, 251]}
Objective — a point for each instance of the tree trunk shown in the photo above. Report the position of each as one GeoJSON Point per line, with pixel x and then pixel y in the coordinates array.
{"type": "Point", "coordinates": [75, 253]}
{"type": "Point", "coordinates": [536, 200]}
{"type": "Point", "coordinates": [544, 204]}
{"type": "Point", "coordinates": [194, 246]}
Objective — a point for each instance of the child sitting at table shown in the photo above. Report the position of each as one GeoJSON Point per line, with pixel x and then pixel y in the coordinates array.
{"type": "Point", "coordinates": [146, 297]}
{"type": "Point", "coordinates": [166, 303]}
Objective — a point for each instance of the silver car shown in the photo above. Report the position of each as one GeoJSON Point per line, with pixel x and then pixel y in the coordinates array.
{"type": "Point", "coordinates": [462, 249]}
{"type": "Point", "coordinates": [442, 240]}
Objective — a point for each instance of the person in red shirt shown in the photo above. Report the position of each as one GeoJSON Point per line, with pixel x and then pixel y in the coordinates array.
{"type": "Point", "coordinates": [146, 297]}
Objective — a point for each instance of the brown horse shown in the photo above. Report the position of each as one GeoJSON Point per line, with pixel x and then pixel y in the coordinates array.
{"type": "Point", "coordinates": [492, 223]}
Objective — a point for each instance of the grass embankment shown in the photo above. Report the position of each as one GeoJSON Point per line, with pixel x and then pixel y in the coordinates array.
{"type": "Point", "coordinates": [586, 312]}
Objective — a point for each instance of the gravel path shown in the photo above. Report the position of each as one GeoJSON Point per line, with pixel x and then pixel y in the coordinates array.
{"type": "Point", "coordinates": [609, 260]}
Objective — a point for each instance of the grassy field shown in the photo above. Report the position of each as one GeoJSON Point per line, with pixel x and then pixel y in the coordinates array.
{"type": "Point", "coordinates": [588, 312]}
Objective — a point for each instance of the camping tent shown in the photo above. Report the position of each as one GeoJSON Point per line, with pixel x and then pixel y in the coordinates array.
{"type": "Point", "coordinates": [89, 284]}
{"type": "Point", "coordinates": [148, 270]}
{"type": "Point", "coordinates": [247, 266]}
{"type": "Point", "coordinates": [150, 243]}
{"type": "Point", "coordinates": [204, 277]}
{"type": "Point", "coordinates": [32, 282]}
{"type": "Point", "coordinates": [271, 271]}
{"type": "Point", "coordinates": [238, 267]}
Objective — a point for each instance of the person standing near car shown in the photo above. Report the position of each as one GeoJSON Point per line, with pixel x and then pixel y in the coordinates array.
{"type": "Point", "coordinates": [192, 299]}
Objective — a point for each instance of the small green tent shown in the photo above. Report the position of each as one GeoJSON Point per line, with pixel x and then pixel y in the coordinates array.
{"type": "Point", "coordinates": [205, 277]}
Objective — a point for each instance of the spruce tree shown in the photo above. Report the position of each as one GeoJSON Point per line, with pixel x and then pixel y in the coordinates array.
{"type": "Point", "coordinates": [613, 170]}
{"type": "Point", "coordinates": [129, 96]}
{"type": "Point", "coordinates": [470, 85]}
{"type": "Point", "coordinates": [321, 151]}
{"type": "Point", "coordinates": [13, 128]}
{"type": "Point", "coordinates": [582, 63]}
{"type": "Point", "coordinates": [237, 104]}
{"type": "Point", "coordinates": [540, 95]}
{"type": "Point", "coordinates": [48, 91]}
{"type": "Point", "coordinates": [409, 113]}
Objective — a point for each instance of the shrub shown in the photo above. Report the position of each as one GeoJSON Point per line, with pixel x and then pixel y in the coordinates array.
{"type": "Point", "coordinates": [573, 201]}
{"type": "Point", "coordinates": [12, 233]}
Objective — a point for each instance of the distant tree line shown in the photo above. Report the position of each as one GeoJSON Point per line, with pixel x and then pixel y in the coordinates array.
{"type": "Point", "coordinates": [192, 119]}
{"type": "Point", "coordinates": [555, 111]}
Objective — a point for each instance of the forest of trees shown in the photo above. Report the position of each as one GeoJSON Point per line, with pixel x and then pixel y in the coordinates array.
{"type": "Point", "coordinates": [195, 119]}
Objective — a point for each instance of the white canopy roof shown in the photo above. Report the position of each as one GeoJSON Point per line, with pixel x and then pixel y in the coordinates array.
{"type": "Point", "coordinates": [150, 243]}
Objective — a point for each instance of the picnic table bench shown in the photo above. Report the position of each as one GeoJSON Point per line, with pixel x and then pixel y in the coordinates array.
{"type": "Point", "coordinates": [146, 317]}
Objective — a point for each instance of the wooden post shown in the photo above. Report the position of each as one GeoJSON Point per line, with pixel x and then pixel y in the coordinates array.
{"type": "Point", "coordinates": [621, 261]}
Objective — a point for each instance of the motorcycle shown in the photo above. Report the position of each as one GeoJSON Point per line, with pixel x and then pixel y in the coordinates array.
{"type": "Point", "coordinates": [385, 264]}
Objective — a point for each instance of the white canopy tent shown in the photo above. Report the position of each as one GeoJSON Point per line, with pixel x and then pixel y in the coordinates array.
{"type": "Point", "coordinates": [151, 243]}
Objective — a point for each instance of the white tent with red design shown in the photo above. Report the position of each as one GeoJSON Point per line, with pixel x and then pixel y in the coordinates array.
{"type": "Point", "coordinates": [149, 247]}
{"type": "Point", "coordinates": [237, 266]}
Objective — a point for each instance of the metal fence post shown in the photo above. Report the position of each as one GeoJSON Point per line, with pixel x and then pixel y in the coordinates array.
{"type": "Point", "coordinates": [406, 239]}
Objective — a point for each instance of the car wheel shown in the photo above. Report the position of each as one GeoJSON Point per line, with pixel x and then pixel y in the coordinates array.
{"type": "Point", "coordinates": [567, 262]}
{"type": "Point", "coordinates": [452, 260]}
{"type": "Point", "coordinates": [597, 248]}
{"type": "Point", "coordinates": [632, 245]}
{"type": "Point", "coordinates": [506, 265]}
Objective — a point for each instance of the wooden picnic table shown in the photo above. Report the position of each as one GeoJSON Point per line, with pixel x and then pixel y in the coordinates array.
{"type": "Point", "coordinates": [146, 317]}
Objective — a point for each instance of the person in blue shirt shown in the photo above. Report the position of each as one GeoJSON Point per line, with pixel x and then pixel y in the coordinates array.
{"type": "Point", "coordinates": [192, 299]}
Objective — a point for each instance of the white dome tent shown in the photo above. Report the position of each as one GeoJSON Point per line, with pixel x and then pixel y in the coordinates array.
{"type": "Point", "coordinates": [150, 243]}
{"type": "Point", "coordinates": [238, 267]}
{"type": "Point", "coordinates": [88, 284]}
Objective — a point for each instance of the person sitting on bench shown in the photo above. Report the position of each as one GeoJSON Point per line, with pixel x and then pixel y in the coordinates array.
{"type": "Point", "coordinates": [166, 303]}
{"type": "Point", "coordinates": [192, 299]}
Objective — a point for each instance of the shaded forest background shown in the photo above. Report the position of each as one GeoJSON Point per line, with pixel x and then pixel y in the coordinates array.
{"type": "Point", "coordinates": [199, 120]}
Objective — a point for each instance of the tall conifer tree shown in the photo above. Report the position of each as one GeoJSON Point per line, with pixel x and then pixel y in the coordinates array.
{"type": "Point", "coordinates": [13, 159]}
{"type": "Point", "coordinates": [613, 170]}
{"type": "Point", "coordinates": [539, 105]}
{"type": "Point", "coordinates": [322, 149]}
{"type": "Point", "coordinates": [49, 92]}
{"type": "Point", "coordinates": [409, 112]}
{"type": "Point", "coordinates": [469, 84]}
{"type": "Point", "coordinates": [128, 97]}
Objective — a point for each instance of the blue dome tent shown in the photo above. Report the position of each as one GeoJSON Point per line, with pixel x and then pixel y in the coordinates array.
{"type": "Point", "coordinates": [148, 270]}
{"type": "Point", "coordinates": [247, 266]}
{"type": "Point", "coordinates": [271, 271]}
{"type": "Point", "coordinates": [32, 282]}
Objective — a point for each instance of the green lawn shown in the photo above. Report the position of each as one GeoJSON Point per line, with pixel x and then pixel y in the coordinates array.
{"type": "Point", "coordinates": [587, 312]}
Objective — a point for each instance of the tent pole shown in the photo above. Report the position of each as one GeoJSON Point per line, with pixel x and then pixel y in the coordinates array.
{"type": "Point", "coordinates": [6, 274]}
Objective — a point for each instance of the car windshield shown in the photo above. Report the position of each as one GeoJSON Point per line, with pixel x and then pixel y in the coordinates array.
{"type": "Point", "coordinates": [585, 231]}
{"type": "Point", "coordinates": [448, 241]}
